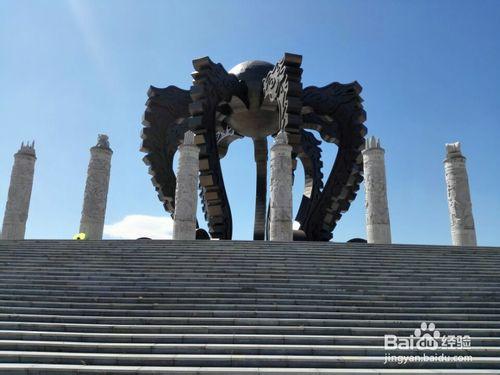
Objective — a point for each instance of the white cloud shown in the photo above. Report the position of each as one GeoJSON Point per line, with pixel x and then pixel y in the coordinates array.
{"type": "Point", "coordinates": [135, 226]}
{"type": "Point", "coordinates": [296, 225]}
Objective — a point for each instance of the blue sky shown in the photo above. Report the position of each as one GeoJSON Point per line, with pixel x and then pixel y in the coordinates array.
{"type": "Point", "coordinates": [430, 72]}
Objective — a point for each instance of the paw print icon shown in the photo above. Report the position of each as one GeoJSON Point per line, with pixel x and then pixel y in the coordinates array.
{"type": "Point", "coordinates": [427, 336]}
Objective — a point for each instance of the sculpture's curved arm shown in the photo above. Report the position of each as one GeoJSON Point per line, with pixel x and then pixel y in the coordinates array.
{"type": "Point", "coordinates": [260, 154]}
{"type": "Point", "coordinates": [327, 128]}
{"type": "Point", "coordinates": [309, 154]}
{"type": "Point", "coordinates": [164, 128]}
{"type": "Point", "coordinates": [224, 139]}
{"type": "Point", "coordinates": [342, 104]}
{"type": "Point", "coordinates": [283, 86]}
{"type": "Point", "coordinates": [211, 86]}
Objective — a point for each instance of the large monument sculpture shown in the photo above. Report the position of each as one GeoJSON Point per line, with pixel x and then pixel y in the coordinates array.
{"type": "Point", "coordinates": [257, 99]}
{"type": "Point", "coordinates": [96, 190]}
{"type": "Point", "coordinates": [463, 232]}
{"type": "Point", "coordinates": [18, 200]}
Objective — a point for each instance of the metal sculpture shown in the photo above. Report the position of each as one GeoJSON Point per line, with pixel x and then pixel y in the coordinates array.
{"type": "Point", "coordinates": [256, 99]}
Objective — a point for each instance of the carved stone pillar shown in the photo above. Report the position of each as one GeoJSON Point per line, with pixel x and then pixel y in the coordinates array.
{"type": "Point", "coordinates": [186, 197]}
{"type": "Point", "coordinates": [18, 201]}
{"type": "Point", "coordinates": [378, 226]}
{"type": "Point", "coordinates": [281, 222]}
{"type": "Point", "coordinates": [96, 189]}
{"type": "Point", "coordinates": [463, 232]}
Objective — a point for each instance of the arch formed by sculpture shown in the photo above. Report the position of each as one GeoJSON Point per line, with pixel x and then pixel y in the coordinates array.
{"type": "Point", "coordinates": [257, 99]}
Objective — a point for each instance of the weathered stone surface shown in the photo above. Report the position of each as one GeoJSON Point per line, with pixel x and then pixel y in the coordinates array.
{"type": "Point", "coordinates": [281, 221]}
{"type": "Point", "coordinates": [18, 201]}
{"type": "Point", "coordinates": [186, 197]}
{"type": "Point", "coordinates": [96, 190]}
{"type": "Point", "coordinates": [463, 232]}
{"type": "Point", "coordinates": [378, 226]}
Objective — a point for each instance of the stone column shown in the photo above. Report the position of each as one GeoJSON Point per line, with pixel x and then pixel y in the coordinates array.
{"type": "Point", "coordinates": [186, 191]}
{"type": "Point", "coordinates": [378, 226]}
{"type": "Point", "coordinates": [96, 190]}
{"type": "Point", "coordinates": [281, 222]}
{"type": "Point", "coordinates": [463, 232]}
{"type": "Point", "coordinates": [18, 201]}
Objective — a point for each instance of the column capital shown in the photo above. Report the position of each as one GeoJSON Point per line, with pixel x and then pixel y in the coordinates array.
{"type": "Point", "coordinates": [188, 138]}
{"type": "Point", "coordinates": [281, 144]}
{"type": "Point", "coordinates": [372, 144]}
{"type": "Point", "coordinates": [281, 138]}
{"type": "Point", "coordinates": [102, 144]}
{"type": "Point", "coordinates": [27, 149]}
{"type": "Point", "coordinates": [453, 151]}
{"type": "Point", "coordinates": [102, 141]}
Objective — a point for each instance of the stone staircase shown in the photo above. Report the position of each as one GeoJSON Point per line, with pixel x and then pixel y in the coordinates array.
{"type": "Point", "coordinates": [227, 307]}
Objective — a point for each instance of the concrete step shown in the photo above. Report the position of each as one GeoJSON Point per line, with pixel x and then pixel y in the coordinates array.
{"type": "Point", "coordinates": [165, 338]}
{"type": "Point", "coordinates": [315, 307]}
{"type": "Point", "coordinates": [6, 319]}
{"type": "Point", "coordinates": [47, 369]}
{"type": "Point", "coordinates": [236, 349]}
{"type": "Point", "coordinates": [150, 276]}
{"type": "Point", "coordinates": [242, 268]}
{"type": "Point", "coordinates": [240, 247]}
{"type": "Point", "coordinates": [218, 256]}
{"type": "Point", "coordinates": [250, 291]}
{"type": "Point", "coordinates": [245, 263]}
{"type": "Point", "coordinates": [234, 246]}
{"type": "Point", "coordinates": [250, 301]}
{"type": "Point", "coordinates": [149, 327]}
{"type": "Point", "coordinates": [242, 263]}
{"type": "Point", "coordinates": [117, 285]}
{"type": "Point", "coordinates": [492, 319]}
{"type": "Point", "coordinates": [225, 360]}
{"type": "Point", "coordinates": [256, 283]}
{"type": "Point", "coordinates": [195, 293]}
{"type": "Point", "coordinates": [426, 284]}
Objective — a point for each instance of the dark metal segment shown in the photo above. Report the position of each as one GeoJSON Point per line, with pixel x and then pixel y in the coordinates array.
{"type": "Point", "coordinates": [260, 152]}
{"type": "Point", "coordinates": [283, 86]}
{"type": "Point", "coordinates": [341, 103]}
{"type": "Point", "coordinates": [309, 153]}
{"type": "Point", "coordinates": [163, 130]}
{"type": "Point", "coordinates": [328, 128]}
{"type": "Point", "coordinates": [211, 86]}
{"type": "Point", "coordinates": [224, 139]}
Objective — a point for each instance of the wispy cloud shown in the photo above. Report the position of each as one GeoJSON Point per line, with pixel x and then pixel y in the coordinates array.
{"type": "Point", "coordinates": [85, 22]}
{"type": "Point", "coordinates": [135, 226]}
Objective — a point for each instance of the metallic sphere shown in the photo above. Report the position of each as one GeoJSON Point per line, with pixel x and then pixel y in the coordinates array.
{"type": "Point", "coordinates": [260, 118]}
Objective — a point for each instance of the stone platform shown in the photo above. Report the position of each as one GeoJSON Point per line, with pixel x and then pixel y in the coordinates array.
{"type": "Point", "coordinates": [228, 307]}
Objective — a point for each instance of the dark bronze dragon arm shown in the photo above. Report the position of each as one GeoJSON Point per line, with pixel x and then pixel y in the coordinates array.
{"type": "Point", "coordinates": [212, 85]}
{"type": "Point", "coordinates": [338, 107]}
